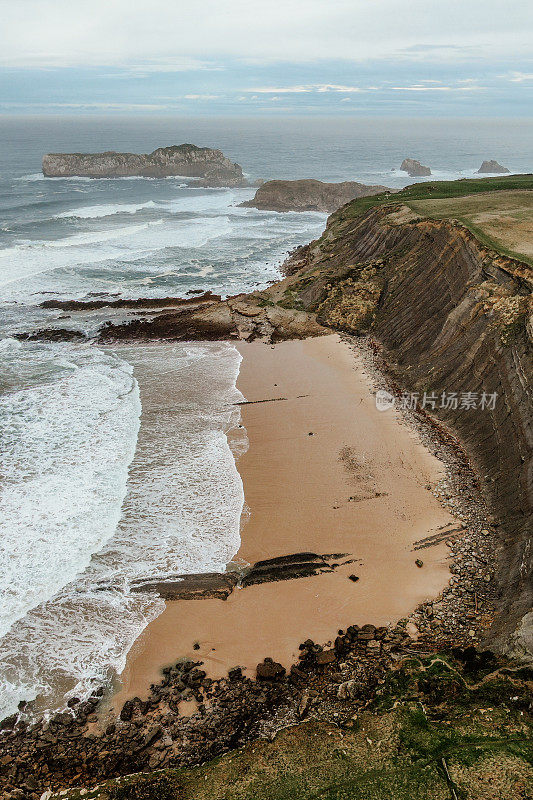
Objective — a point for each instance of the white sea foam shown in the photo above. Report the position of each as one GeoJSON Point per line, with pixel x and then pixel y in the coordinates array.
{"type": "Point", "coordinates": [220, 200]}
{"type": "Point", "coordinates": [185, 495]}
{"type": "Point", "coordinates": [70, 644]}
{"type": "Point", "coordinates": [127, 243]}
{"type": "Point", "coordinates": [181, 511]}
{"type": "Point", "coordinates": [67, 441]}
{"type": "Point", "coordinates": [38, 176]}
{"type": "Point", "coordinates": [95, 212]}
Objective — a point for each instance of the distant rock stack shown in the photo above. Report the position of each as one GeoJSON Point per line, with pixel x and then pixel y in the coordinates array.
{"type": "Point", "coordinates": [185, 160]}
{"type": "Point", "coordinates": [414, 168]}
{"type": "Point", "coordinates": [309, 195]}
{"type": "Point", "coordinates": [493, 168]}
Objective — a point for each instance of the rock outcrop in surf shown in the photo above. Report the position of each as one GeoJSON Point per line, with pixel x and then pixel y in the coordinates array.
{"type": "Point", "coordinates": [309, 195]}
{"type": "Point", "coordinates": [185, 160]}
{"type": "Point", "coordinates": [492, 167]}
{"type": "Point", "coordinates": [414, 168]}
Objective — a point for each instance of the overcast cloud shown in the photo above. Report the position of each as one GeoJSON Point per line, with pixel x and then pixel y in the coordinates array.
{"type": "Point", "coordinates": [225, 52]}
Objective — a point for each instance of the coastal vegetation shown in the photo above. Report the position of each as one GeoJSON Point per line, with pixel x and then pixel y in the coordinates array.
{"type": "Point", "coordinates": [498, 211]}
{"type": "Point", "coordinates": [435, 727]}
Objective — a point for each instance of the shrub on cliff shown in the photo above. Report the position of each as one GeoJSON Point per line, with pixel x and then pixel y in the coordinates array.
{"type": "Point", "coordinates": [147, 787]}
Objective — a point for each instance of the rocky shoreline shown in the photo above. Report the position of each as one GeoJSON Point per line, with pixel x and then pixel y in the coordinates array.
{"type": "Point", "coordinates": [83, 746]}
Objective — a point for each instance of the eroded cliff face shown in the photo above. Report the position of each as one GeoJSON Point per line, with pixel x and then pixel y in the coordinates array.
{"type": "Point", "coordinates": [185, 159]}
{"type": "Point", "coordinates": [452, 317]}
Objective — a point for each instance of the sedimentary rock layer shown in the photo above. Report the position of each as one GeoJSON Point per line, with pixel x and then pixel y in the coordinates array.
{"type": "Point", "coordinates": [221, 584]}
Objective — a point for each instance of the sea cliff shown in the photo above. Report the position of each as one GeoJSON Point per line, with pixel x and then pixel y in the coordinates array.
{"type": "Point", "coordinates": [444, 314]}
{"type": "Point", "coordinates": [451, 315]}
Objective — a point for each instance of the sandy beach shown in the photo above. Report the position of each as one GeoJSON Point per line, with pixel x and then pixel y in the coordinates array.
{"type": "Point", "coordinates": [326, 472]}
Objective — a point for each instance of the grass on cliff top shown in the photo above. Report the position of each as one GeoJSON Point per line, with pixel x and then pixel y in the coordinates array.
{"type": "Point", "coordinates": [434, 190]}
{"type": "Point", "coordinates": [501, 220]}
{"type": "Point", "coordinates": [498, 211]}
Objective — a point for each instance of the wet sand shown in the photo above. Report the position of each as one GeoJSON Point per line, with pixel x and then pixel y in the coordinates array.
{"type": "Point", "coordinates": [357, 485]}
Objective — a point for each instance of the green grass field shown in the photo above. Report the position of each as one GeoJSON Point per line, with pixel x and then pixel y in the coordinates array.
{"type": "Point", "coordinates": [498, 211]}
{"type": "Point", "coordinates": [434, 190]}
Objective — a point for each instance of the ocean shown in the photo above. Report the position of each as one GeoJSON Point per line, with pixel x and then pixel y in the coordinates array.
{"type": "Point", "coordinates": [114, 461]}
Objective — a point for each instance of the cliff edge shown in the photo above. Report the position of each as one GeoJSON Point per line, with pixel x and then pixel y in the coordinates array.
{"type": "Point", "coordinates": [430, 277]}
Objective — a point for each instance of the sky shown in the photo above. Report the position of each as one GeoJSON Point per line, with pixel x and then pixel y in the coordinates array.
{"type": "Point", "coordinates": [448, 58]}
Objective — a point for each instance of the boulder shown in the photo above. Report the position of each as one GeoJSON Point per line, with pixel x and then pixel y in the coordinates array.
{"type": "Point", "coordinates": [269, 670]}
{"type": "Point", "coordinates": [493, 168]}
{"type": "Point", "coordinates": [235, 674]}
{"type": "Point", "coordinates": [414, 168]}
{"type": "Point", "coordinates": [127, 711]}
{"type": "Point", "coordinates": [348, 690]}
{"type": "Point", "coordinates": [325, 657]}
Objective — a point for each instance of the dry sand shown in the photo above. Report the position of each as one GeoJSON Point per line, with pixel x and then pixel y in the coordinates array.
{"type": "Point", "coordinates": [356, 486]}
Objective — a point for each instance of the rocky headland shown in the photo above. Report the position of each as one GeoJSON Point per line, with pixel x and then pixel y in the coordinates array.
{"type": "Point", "coordinates": [308, 195]}
{"type": "Point", "coordinates": [414, 168]}
{"type": "Point", "coordinates": [185, 160]}
{"type": "Point", "coordinates": [493, 167]}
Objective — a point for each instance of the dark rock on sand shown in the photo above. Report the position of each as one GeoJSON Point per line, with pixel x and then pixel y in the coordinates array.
{"type": "Point", "coordinates": [235, 674]}
{"type": "Point", "coordinates": [326, 657]}
{"type": "Point", "coordinates": [191, 587]}
{"type": "Point", "coordinates": [143, 302]}
{"type": "Point", "coordinates": [414, 168]}
{"type": "Point", "coordinates": [186, 160]}
{"type": "Point", "coordinates": [270, 670]}
{"type": "Point", "coordinates": [308, 195]}
{"type": "Point", "coordinates": [282, 568]}
{"type": "Point", "coordinates": [493, 167]}
{"type": "Point", "coordinates": [221, 584]}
